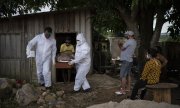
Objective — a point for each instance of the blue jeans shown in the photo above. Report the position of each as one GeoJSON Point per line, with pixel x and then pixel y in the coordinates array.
{"type": "Point", "coordinates": [125, 68]}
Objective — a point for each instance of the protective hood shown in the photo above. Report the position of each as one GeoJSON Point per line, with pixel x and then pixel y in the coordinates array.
{"type": "Point", "coordinates": [80, 39]}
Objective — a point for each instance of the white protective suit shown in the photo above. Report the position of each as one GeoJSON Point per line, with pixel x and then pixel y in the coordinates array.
{"type": "Point", "coordinates": [45, 56]}
{"type": "Point", "coordinates": [83, 62]}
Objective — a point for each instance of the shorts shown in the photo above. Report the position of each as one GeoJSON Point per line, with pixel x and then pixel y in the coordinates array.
{"type": "Point", "coordinates": [125, 68]}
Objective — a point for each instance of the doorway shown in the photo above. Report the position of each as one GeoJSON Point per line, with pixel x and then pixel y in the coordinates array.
{"type": "Point", "coordinates": [60, 39]}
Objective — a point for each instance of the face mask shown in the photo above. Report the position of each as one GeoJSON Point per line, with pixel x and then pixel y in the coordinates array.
{"type": "Point", "coordinates": [78, 42]}
{"type": "Point", "coordinates": [47, 35]}
{"type": "Point", "coordinates": [148, 56]}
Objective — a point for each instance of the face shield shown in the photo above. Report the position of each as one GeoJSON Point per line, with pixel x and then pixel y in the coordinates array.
{"type": "Point", "coordinates": [78, 42]}
{"type": "Point", "coordinates": [80, 39]}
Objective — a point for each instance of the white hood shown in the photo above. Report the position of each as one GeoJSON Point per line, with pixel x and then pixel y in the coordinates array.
{"type": "Point", "coordinates": [80, 39]}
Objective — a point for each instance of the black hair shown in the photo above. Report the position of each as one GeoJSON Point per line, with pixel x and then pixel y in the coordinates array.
{"type": "Point", "coordinates": [152, 51]}
{"type": "Point", "coordinates": [68, 38]}
{"type": "Point", "coordinates": [49, 29]}
{"type": "Point", "coordinates": [158, 48]}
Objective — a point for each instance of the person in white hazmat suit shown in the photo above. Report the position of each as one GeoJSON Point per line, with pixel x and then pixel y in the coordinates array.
{"type": "Point", "coordinates": [83, 62]}
{"type": "Point", "coordinates": [45, 46]}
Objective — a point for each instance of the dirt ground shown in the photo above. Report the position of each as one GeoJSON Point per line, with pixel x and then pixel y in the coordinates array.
{"type": "Point", "coordinates": [103, 88]}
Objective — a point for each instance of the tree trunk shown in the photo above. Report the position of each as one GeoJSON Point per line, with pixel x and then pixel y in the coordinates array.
{"type": "Point", "coordinates": [143, 30]}
{"type": "Point", "coordinates": [131, 23]}
{"type": "Point", "coordinates": [159, 23]}
{"type": "Point", "coordinates": [146, 32]}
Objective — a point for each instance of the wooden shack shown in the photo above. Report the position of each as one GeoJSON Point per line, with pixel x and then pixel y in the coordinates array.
{"type": "Point", "coordinates": [15, 33]}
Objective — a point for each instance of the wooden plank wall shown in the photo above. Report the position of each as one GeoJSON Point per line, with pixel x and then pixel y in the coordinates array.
{"type": "Point", "coordinates": [11, 49]}
{"type": "Point", "coordinates": [16, 32]}
{"type": "Point", "coordinates": [83, 24]}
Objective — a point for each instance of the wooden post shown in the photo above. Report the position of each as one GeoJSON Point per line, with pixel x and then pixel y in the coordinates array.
{"type": "Point", "coordinates": [69, 75]}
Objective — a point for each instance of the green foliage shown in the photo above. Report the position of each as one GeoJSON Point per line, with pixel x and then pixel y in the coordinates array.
{"type": "Point", "coordinates": [104, 20]}
{"type": "Point", "coordinates": [168, 38]}
{"type": "Point", "coordinates": [11, 7]}
{"type": "Point", "coordinates": [105, 16]}
{"type": "Point", "coordinates": [109, 13]}
{"type": "Point", "coordinates": [105, 12]}
{"type": "Point", "coordinates": [67, 4]}
{"type": "Point", "coordinates": [173, 17]}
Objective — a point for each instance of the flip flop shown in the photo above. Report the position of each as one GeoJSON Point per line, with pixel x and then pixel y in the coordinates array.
{"type": "Point", "coordinates": [118, 93]}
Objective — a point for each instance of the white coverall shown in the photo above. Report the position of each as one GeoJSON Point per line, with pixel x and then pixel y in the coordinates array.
{"type": "Point", "coordinates": [45, 56]}
{"type": "Point", "coordinates": [83, 62]}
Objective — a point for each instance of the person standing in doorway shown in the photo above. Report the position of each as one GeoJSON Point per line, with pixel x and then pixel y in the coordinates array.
{"type": "Point", "coordinates": [127, 52]}
{"type": "Point", "coordinates": [67, 47]}
{"type": "Point", "coordinates": [66, 54]}
{"type": "Point", "coordinates": [45, 46]}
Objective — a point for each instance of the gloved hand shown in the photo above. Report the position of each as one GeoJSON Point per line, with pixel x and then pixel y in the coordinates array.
{"type": "Point", "coordinates": [28, 52]}
{"type": "Point", "coordinates": [71, 62]}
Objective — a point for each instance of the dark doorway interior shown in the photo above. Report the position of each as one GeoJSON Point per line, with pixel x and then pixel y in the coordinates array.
{"type": "Point", "coordinates": [60, 39]}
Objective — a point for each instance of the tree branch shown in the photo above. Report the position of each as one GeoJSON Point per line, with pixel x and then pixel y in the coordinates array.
{"type": "Point", "coordinates": [159, 23]}
{"type": "Point", "coordinates": [124, 14]}
{"type": "Point", "coordinates": [134, 12]}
